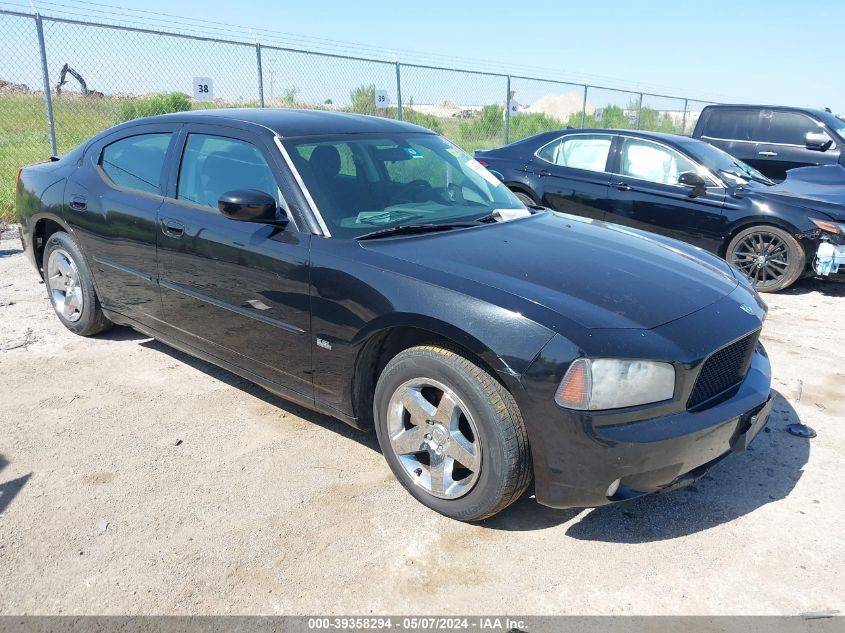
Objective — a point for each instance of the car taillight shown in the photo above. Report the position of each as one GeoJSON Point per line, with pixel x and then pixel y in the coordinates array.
{"type": "Point", "coordinates": [18, 179]}
{"type": "Point", "coordinates": [483, 163]}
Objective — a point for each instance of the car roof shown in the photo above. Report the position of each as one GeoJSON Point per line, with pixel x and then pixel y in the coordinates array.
{"type": "Point", "coordinates": [750, 106]}
{"type": "Point", "coordinates": [287, 122]}
{"type": "Point", "coordinates": [658, 136]}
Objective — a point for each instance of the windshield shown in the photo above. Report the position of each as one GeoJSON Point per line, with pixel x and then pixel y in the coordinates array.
{"type": "Point", "coordinates": [729, 168]}
{"type": "Point", "coordinates": [363, 183]}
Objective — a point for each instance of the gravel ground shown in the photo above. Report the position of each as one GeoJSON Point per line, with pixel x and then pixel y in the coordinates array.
{"type": "Point", "coordinates": [137, 480]}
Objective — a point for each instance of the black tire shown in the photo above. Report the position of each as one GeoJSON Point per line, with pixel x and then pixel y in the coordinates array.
{"type": "Point", "coordinates": [783, 259]}
{"type": "Point", "coordinates": [90, 319]}
{"type": "Point", "coordinates": [525, 199]}
{"type": "Point", "coordinates": [505, 469]}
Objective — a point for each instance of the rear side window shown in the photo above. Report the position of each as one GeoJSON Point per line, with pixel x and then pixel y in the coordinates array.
{"type": "Point", "coordinates": [738, 125]}
{"type": "Point", "coordinates": [136, 162]}
{"type": "Point", "coordinates": [213, 165]}
{"type": "Point", "coordinates": [578, 152]}
{"type": "Point", "coordinates": [790, 128]}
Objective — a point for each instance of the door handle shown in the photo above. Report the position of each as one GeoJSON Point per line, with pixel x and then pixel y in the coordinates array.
{"type": "Point", "coordinates": [78, 203]}
{"type": "Point", "coordinates": [172, 228]}
{"type": "Point", "coordinates": [767, 153]}
{"type": "Point", "coordinates": [622, 186]}
{"type": "Point", "coordinates": [544, 172]}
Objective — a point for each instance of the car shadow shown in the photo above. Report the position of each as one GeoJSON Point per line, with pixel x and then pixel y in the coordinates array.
{"type": "Point", "coordinates": [122, 333]}
{"type": "Point", "coordinates": [233, 380]}
{"type": "Point", "coordinates": [827, 287]}
{"type": "Point", "coordinates": [5, 252]}
{"type": "Point", "coordinates": [766, 472]}
{"type": "Point", "coordinates": [10, 489]}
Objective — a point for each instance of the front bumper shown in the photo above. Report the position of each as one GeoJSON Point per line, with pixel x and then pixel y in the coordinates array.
{"type": "Point", "coordinates": [579, 460]}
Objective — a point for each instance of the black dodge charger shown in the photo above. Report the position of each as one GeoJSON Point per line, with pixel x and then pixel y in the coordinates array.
{"type": "Point", "coordinates": [689, 190]}
{"type": "Point", "coordinates": [371, 270]}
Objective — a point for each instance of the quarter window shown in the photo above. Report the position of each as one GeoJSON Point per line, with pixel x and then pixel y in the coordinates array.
{"type": "Point", "coordinates": [213, 165]}
{"type": "Point", "coordinates": [578, 152]}
{"type": "Point", "coordinates": [652, 162]}
{"type": "Point", "coordinates": [790, 128]}
{"type": "Point", "coordinates": [136, 162]}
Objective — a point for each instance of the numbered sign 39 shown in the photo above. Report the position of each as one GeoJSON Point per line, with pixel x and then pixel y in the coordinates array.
{"type": "Point", "coordinates": [598, 114]}
{"type": "Point", "coordinates": [203, 89]}
{"type": "Point", "coordinates": [382, 100]}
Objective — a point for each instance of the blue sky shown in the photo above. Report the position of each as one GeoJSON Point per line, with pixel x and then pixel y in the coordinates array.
{"type": "Point", "coordinates": [776, 51]}
{"type": "Point", "coordinates": [779, 51]}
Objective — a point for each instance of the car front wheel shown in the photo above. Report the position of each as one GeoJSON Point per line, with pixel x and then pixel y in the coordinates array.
{"type": "Point", "coordinates": [771, 258]}
{"type": "Point", "coordinates": [451, 433]}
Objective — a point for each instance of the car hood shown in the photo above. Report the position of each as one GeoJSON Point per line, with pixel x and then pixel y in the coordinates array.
{"type": "Point", "coordinates": [819, 188]}
{"type": "Point", "coordinates": [596, 274]}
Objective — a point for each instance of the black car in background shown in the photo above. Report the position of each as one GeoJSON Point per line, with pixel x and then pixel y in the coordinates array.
{"type": "Point", "coordinates": [371, 270]}
{"type": "Point", "coordinates": [774, 139]}
{"type": "Point", "coordinates": [685, 189]}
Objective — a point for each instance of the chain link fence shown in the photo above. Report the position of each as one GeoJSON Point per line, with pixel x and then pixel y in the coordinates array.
{"type": "Point", "coordinates": [98, 75]}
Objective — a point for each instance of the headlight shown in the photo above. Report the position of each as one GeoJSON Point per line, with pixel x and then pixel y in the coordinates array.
{"type": "Point", "coordinates": [606, 383]}
{"type": "Point", "coordinates": [837, 228]}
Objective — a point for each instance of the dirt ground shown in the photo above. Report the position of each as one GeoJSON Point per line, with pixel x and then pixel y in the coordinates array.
{"type": "Point", "coordinates": [137, 480]}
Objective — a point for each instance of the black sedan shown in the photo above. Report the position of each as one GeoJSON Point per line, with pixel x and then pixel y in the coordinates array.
{"type": "Point", "coordinates": [685, 189]}
{"type": "Point", "coordinates": [371, 270]}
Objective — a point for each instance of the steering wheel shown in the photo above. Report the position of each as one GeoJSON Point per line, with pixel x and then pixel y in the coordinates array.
{"type": "Point", "coordinates": [414, 189]}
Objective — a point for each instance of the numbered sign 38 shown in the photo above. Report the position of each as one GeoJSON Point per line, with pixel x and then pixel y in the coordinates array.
{"type": "Point", "coordinates": [203, 89]}
{"type": "Point", "coordinates": [513, 107]}
{"type": "Point", "coordinates": [382, 100]}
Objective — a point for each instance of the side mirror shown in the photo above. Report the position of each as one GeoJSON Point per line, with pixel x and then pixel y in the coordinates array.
{"type": "Point", "coordinates": [692, 179]}
{"type": "Point", "coordinates": [818, 141]}
{"type": "Point", "coordinates": [251, 205]}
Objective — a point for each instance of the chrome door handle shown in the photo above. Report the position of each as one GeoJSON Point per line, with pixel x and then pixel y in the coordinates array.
{"type": "Point", "coordinates": [767, 153]}
{"type": "Point", "coordinates": [173, 228]}
{"type": "Point", "coordinates": [622, 186]}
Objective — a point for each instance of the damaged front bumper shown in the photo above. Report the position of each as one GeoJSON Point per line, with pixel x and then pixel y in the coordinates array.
{"type": "Point", "coordinates": [829, 259]}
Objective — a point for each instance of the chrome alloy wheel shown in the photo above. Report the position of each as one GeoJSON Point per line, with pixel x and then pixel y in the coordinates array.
{"type": "Point", "coordinates": [64, 285]}
{"type": "Point", "coordinates": [434, 437]}
{"type": "Point", "coordinates": [762, 257]}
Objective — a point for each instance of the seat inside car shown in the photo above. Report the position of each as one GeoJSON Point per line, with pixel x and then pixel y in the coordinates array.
{"type": "Point", "coordinates": [227, 170]}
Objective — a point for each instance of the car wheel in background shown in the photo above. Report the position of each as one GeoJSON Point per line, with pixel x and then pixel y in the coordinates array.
{"type": "Point", "coordinates": [70, 287]}
{"type": "Point", "coordinates": [770, 257]}
{"type": "Point", "coordinates": [451, 433]}
{"type": "Point", "coordinates": [524, 198]}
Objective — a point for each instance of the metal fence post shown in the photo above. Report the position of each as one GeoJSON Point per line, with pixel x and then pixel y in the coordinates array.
{"type": "Point", "coordinates": [260, 75]}
{"type": "Point", "coordinates": [684, 120]}
{"type": "Point", "coordinates": [508, 113]}
{"type": "Point", "coordinates": [48, 97]}
{"type": "Point", "coordinates": [639, 110]}
{"type": "Point", "coordinates": [398, 91]}
{"type": "Point", "coordinates": [584, 108]}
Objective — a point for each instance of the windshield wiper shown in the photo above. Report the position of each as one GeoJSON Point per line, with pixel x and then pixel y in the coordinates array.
{"type": "Point", "coordinates": [414, 228]}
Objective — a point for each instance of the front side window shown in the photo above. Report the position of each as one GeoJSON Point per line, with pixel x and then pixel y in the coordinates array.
{"type": "Point", "coordinates": [791, 128]}
{"type": "Point", "coordinates": [136, 162]}
{"type": "Point", "coordinates": [579, 152]}
{"type": "Point", "coordinates": [213, 165]}
{"type": "Point", "coordinates": [649, 161]}
{"type": "Point", "coordinates": [362, 183]}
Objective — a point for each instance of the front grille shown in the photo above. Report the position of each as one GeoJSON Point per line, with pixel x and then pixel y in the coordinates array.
{"type": "Point", "coordinates": [723, 369]}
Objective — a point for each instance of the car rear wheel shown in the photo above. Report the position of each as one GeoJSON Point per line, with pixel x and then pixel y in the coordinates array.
{"type": "Point", "coordinates": [71, 288]}
{"type": "Point", "coordinates": [451, 434]}
{"type": "Point", "coordinates": [770, 257]}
